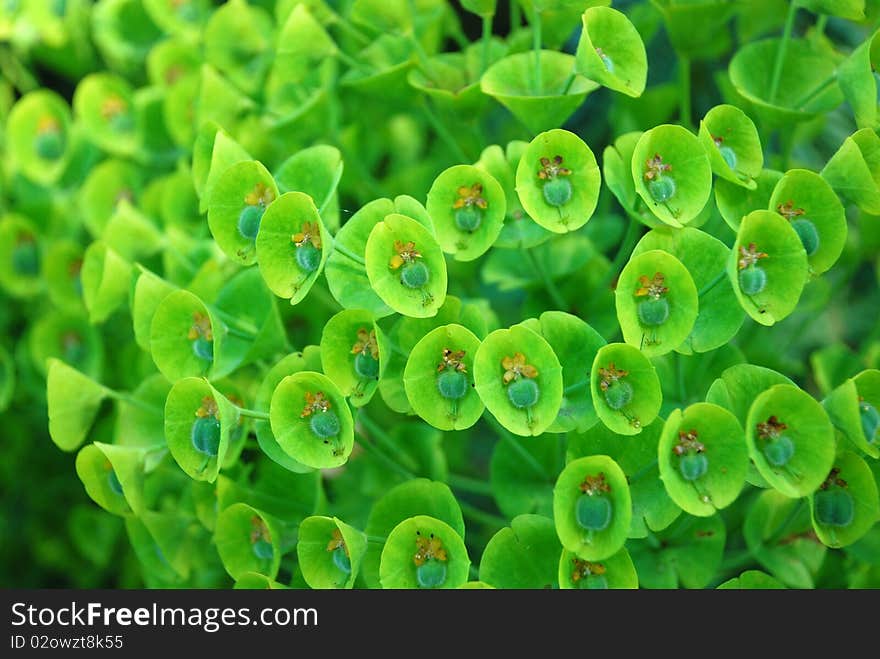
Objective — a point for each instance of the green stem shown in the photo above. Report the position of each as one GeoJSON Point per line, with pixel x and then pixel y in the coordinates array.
{"type": "Point", "coordinates": [569, 81]}
{"type": "Point", "coordinates": [821, 22]}
{"type": "Point", "coordinates": [536, 47]}
{"type": "Point", "coordinates": [350, 61]}
{"type": "Point", "coordinates": [374, 451]}
{"type": "Point", "coordinates": [712, 284]}
{"type": "Point", "coordinates": [473, 572]}
{"type": "Point", "coordinates": [254, 414]}
{"type": "Point", "coordinates": [349, 29]}
{"type": "Point", "coordinates": [382, 438]}
{"type": "Point", "coordinates": [342, 249]}
{"type": "Point", "coordinates": [780, 52]}
{"type": "Point", "coordinates": [235, 326]}
{"type": "Point", "coordinates": [505, 435]}
{"type": "Point", "coordinates": [134, 402]}
{"type": "Point", "coordinates": [574, 387]}
{"type": "Point", "coordinates": [376, 539]}
{"type": "Point", "coordinates": [684, 81]}
{"type": "Point", "coordinates": [633, 232]}
{"type": "Point", "coordinates": [486, 42]}
{"type": "Point", "coordinates": [821, 87]}
{"type": "Point", "coordinates": [468, 484]}
{"type": "Point", "coordinates": [515, 15]}
{"type": "Point", "coordinates": [443, 133]}
{"type": "Point", "coordinates": [481, 516]}
{"type": "Point", "coordinates": [458, 34]}
{"type": "Point", "coordinates": [546, 280]}
{"type": "Point", "coordinates": [644, 470]}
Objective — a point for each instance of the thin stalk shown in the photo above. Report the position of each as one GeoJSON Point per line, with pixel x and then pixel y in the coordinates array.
{"type": "Point", "coordinates": [684, 82]}
{"type": "Point", "coordinates": [384, 440]}
{"type": "Point", "coordinates": [350, 61]}
{"type": "Point", "coordinates": [348, 28]}
{"type": "Point", "coordinates": [529, 459]}
{"type": "Point", "coordinates": [376, 539]}
{"type": "Point", "coordinates": [443, 133]}
{"type": "Point", "coordinates": [574, 387]}
{"type": "Point", "coordinates": [374, 451]}
{"type": "Point", "coordinates": [780, 52]}
{"type": "Point", "coordinates": [235, 326]}
{"type": "Point", "coordinates": [254, 414]}
{"type": "Point", "coordinates": [569, 81]}
{"type": "Point", "coordinates": [458, 35]}
{"type": "Point", "coordinates": [477, 515]}
{"type": "Point", "coordinates": [134, 402]}
{"type": "Point", "coordinates": [468, 484]}
{"type": "Point", "coordinates": [486, 42]}
{"type": "Point", "coordinates": [821, 22]}
{"type": "Point", "coordinates": [515, 15]}
{"type": "Point", "coordinates": [712, 284]}
{"type": "Point", "coordinates": [342, 249]}
{"type": "Point", "coordinates": [546, 280]}
{"type": "Point", "coordinates": [643, 471]}
{"type": "Point", "coordinates": [633, 232]}
{"type": "Point", "coordinates": [813, 93]}
{"type": "Point", "coordinates": [536, 47]}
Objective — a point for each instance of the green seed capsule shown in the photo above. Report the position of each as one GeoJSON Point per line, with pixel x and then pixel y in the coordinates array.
{"type": "Point", "coordinates": [341, 560]}
{"type": "Point", "coordinates": [729, 156]}
{"type": "Point", "coordinates": [365, 366]}
{"type": "Point", "coordinates": [752, 280]}
{"type": "Point", "coordinates": [693, 465]}
{"type": "Point", "coordinates": [468, 218]}
{"type": "Point", "coordinates": [263, 550]}
{"type": "Point", "coordinates": [653, 312]}
{"type": "Point", "coordinates": [431, 574]}
{"type": "Point", "coordinates": [121, 122]}
{"type": "Point", "coordinates": [557, 191]}
{"type": "Point", "coordinates": [608, 62]}
{"type": "Point", "coordinates": [452, 385]}
{"type": "Point", "coordinates": [414, 275]}
{"type": "Point", "coordinates": [113, 482]}
{"type": "Point", "coordinates": [870, 421]}
{"type": "Point", "coordinates": [523, 393]}
{"type": "Point", "coordinates": [206, 435]}
{"type": "Point", "coordinates": [593, 512]}
{"type": "Point", "coordinates": [618, 394]}
{"type": "Point", "coordinates": [49, 145]}
{"type": "Point", "coordinates": [249, 220]}
{"type": "Point", "coordinates": [662, 189]}
{"type": "Point", "coordinates": [834, 507]}
{"type": "Point", "coordinates": [308, 257]}
{"type": "Point", "coordinates": [779, 450]}
{"type": "Point", "coordinates": [325, 424]}
{"type": "Point", "coordinates": [806, 231]}
{"type": "Point", "coordinates": [26, 259]}
{"type": "Point", "coordinates": [593, 582]}
{"type": "Point", "coordinates": [203, 348]}
{"type": "Point", "coordinates": [73, 349]}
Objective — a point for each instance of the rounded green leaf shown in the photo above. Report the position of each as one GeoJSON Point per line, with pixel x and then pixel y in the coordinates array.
{"type": "Point", "coordinates": [656, 302]}
{"type": "Point", "coordinates": [301, 414]}
{"type": "Point", "coordinates": [238, 40]}
{"type": "Point", "coordinates": [73, 401]}
{"type": "Point", "coordinates": [733, 145]}
{"type": "Point", "coordinates": [558, 181]}
{"type": "Point", "coordinates": [107, 184]}
{"type": "Point", "coordinates": [104, 104]}
{"type": "Point", "coordinates": [790, 439]}
{"type": "Point", "coordinates": [68, 337]}
{"type": "Point", "coordinates": [64, 260]}
{"type": "Point", "coordinates": [467, 207]}
{"type": "Point", "coordinates": [186, 339]}
{"type": "Point", "coordinates": [615, 572]}
{"type": "Point", "coordinates": [198, 423]}
{"type": "Point", "coordinates": [812, 208]}
{"type": "Point", "coordinates": [519, 379]}
{"type": "Point", "coordinates": [751, 580]}
{"type": "Point", "coordinates": [734, 201]}
{"type": "Point", "coordinates": [329, 552]}
{"type": "Point", "coordinates": [521, 474]}
{"type": "Point", "coordinates": [406, 267]}
{"type": "Point", "coordinates": [512, 82]}
{"type": "Point", "coordinates": [39, 135]}
{"type": "Point", "coordinates": [852, 407]}
{"type": "Point", "coordinates": [784, 267]}
{"type": "Point", "coordinates": [846, 505]}
{"type": "Point", "coordinates": [354, 353]}
{"type": "Point", "coordinates": [672, 173]}
{"type": "Point", "coordinates": [314, 171]}
{"type": "Point", "coordinates": [438, 378]}
{"type": "Point", "coordinates": [854, 170]}
{"type": "Point", "coordinates": [21, 258]}
{"type": "Point", "coordinates": [625, 388]}
{"type": "Point", "coordinates": [248, 540]}
{"type": "Point", "coordinates": [105, 279]}
{"type": "Point", "coordinates": [703, 458]}
{"type": "Point", "coordinates": [858, 84]}
{"type": "Point", "coordinates": [590, 531]}
{"type": "Point", "coordinates": [740, 384]}
{"type": "Point", "coordinates": [611, 51]}
{"type": "Point", "coordinates": [139, 419]}
{"type": "Point", "coordinates": [112, 476]}
{"type": "Point", "coordinates": [523, 555]}
{"type": "Point", "coordinates": [424, 552]}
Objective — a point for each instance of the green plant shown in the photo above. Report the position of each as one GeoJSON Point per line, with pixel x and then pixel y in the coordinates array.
{"type": "Point", "coordinates": [320, 299]}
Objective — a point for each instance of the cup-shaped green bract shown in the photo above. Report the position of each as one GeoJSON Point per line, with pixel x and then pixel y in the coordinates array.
{"type": "Point", "coordinates": [616, 159]}
{"type": "Point", "coordinates": [235, 210]}
{"type": "Point", "coordinates": [751, 580]}
{"type": "Point", "coordinates": [656, 302]}
{"type": "Point", "coordinates": [354, 353]}
{"type": "Point", "coordinates": [311, 420]}
{"type": "Point", "coordinates": [519, 379]}
{"type": "Point", "coordinates": [292, 246]}
{"type": "Point", "coordinates": [73, 402]}
{"type": "Point", "coordinates": [733, 145]}
{"type": "Point", "coordinates": [558, 181]}
{"type": "Point", "coordinates": [108, 183]}
{"type": "Point", "coordinates": [171, 60]}
{"type": "Point", "coordinates": [854, 170]}
{"type": "Point", "coordinates": [592, 507]}
{"type": "Point", "coordinates": [615, 572]}
{"type": "Point", "coordinates": [214, 151]}
{"type": "Point", "coordinates": [853, 407]}
{"type": "Point", "coordinates": [131, 233]}
{"type": "Point", "coordinates": [790, 439]}
{"type": "Point", "coordinates": [625, 388]}
{"type": "Point", "coordinates": [672, 174]}
{"type": "Point", "coordinates": [105, 277]}
{"type": "Point", "coordinates": [198, 422]}
{"type": "Point", "coordinates": [38, 132]}
{"type": "Point", "coordinates": [768, 266]}
{"type": "Point", "coordinates": [719, 316]}
{"type": "Point", "coordinates": [703, 458]}
{"type": "Point", "coordinates": [439, 378]}
{"type": "Point", "coordinates": [238, 41]}
{"type": "Point", "coordinates": [248, 540]}
{"type": "Point", "coordinates": [734, 201]}
{"type": "Point", "coordinates": [387, 61]}
{"type": "Point", "coordinates": [329, 552]}
{"type": "Point", "coordinates": [467, 206]}
{"type": "Point", "coordinates": [423, 552]}
{"type": "Point", "coordinates": [112, 476]}
{"type": "Point", "coordinates": [161, 543]}
{"type": "Point", "coordinates": [812, 208]}
{"type": "Point", "coordinates": [69, 337]}
{"type": "Point", "coordinates": [21, 258]}
{"type": "Point", "coordinates": [698, 29]}
{"type": "Point", "coordinates": [522, 555]}
{"type": "Point", "coordinates": [740, 384]}
{"type": "Point", "coordinates": [139, 419]}
{"type": "Point", "coordinates": [802, 92]}
{"type": "Point", "coordinates": [857, 82]}
{"type": "Point", "coordinates": [611, 51]}
{"type": "Point", "coordinates": [314, 171]}
{"type": "Point", "coordinates": [846, 505]}
{"type": "Point", "coordinates": [104, 104]}
{"type": "Point", "coordinates": [405, 266]}
{"type": "Point", "coordinates": [511, 81]}
{"type": "Point", "coordinates": [63, 266]}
